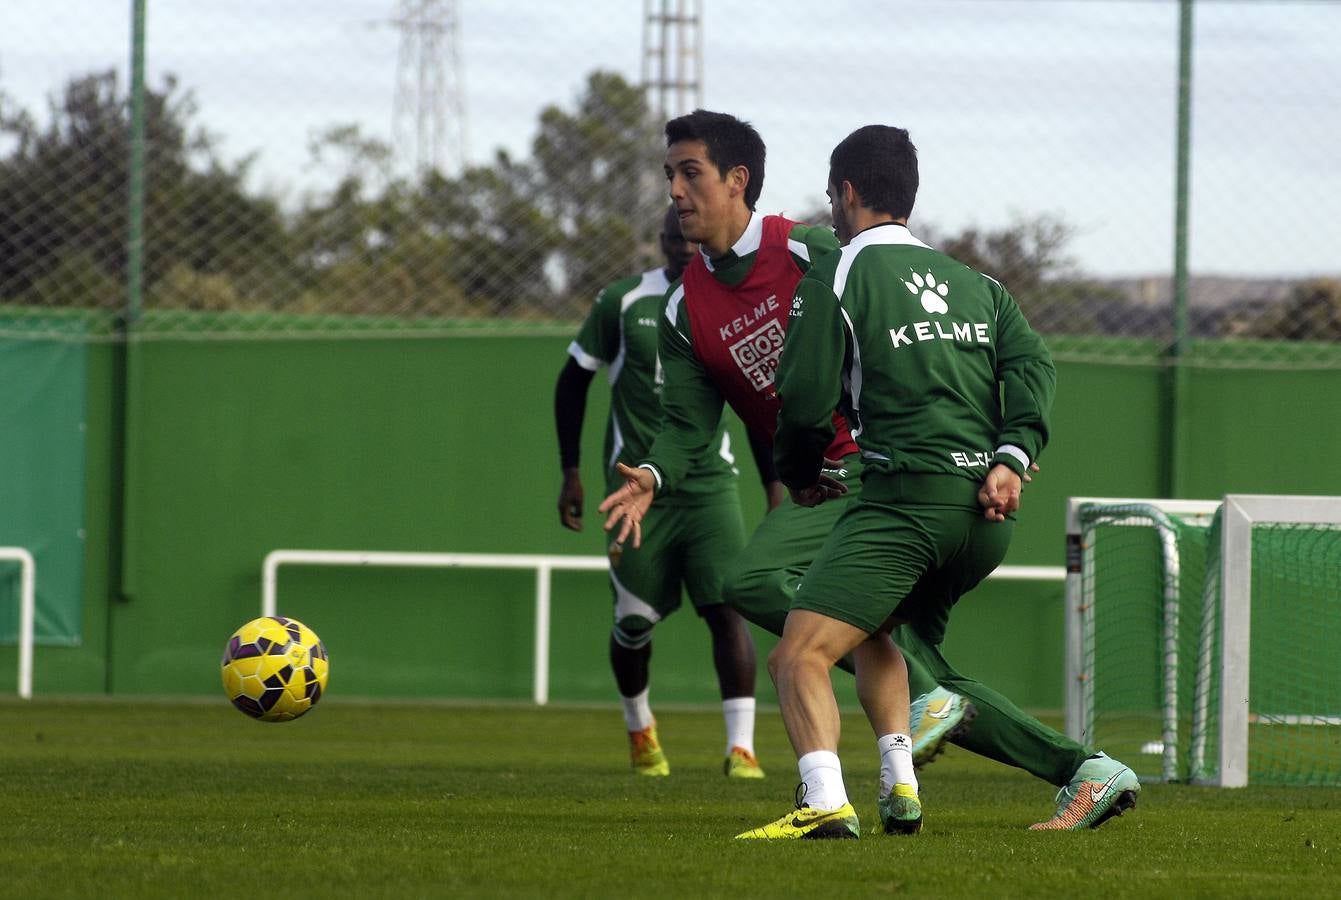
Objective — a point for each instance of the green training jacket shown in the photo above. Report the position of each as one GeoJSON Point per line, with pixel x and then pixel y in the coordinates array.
{"type": "Point", "coordinates": [931, 362]}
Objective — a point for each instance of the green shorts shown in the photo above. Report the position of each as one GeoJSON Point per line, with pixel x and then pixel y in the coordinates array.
{"type": "Point", "coordinates": [762, 582]}
{"type": "Point", "coordinates": [685, 544]}
{"type": "Point", "coordinates": [909, 548]}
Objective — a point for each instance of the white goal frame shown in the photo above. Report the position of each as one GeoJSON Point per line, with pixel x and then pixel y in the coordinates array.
{"type": "Point", "coordinates": [543, 565]}
{"type": "Point", "coordinates": [1241, 513]}
{"type": "Point", "coordinates": [1080, 624]}
{"type": "Point", "coordinates": [27, 613]}
{"type": "Point", "coordinates": [1229, 611]}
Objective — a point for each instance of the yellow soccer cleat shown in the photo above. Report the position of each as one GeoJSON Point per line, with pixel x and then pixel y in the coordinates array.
{"type": "Point", "coordinates": [740, 763]}
{"type": "Point", "coordinates": [805, 823]}
{"type": "Point", "coordinates": [645, 752]}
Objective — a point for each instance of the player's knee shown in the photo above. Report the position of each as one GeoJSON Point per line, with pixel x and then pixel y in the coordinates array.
{"type": "Point", "coordinates": [799, 658]}
{"type": "Point", "coordinates": [632, 632]}
{"type": "Point", "coordinates": [783, 660]}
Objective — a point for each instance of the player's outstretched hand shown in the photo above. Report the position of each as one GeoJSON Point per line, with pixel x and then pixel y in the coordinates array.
{"type": "Point", "coordinates": [627, 506]}
{"type": "Point", "coordinates": [826, 488]}
{"type": "Point", "coordinates": [1000, 493]}
{"type": "Point", "coordinates": [570, 500]}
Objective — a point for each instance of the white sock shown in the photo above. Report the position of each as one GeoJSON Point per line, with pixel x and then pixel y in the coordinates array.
{"type": "Point", "coordinates": [637, 712]}
{"type": "Point", "coordinates": [822, 775]}
{"type": "Point", "coordinates": [739, 715]}
{"type": "Point", "coordinates": [896, 762]}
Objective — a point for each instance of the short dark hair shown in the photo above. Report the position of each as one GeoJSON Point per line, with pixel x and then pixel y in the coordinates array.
{"type": "Point", "coordinates": [730, 143]}
{"type": "Point", "coordinates": [881, 164]}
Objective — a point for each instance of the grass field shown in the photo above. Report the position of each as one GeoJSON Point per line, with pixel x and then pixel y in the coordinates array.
{"type": "Point", "coordinates": [162, 799]}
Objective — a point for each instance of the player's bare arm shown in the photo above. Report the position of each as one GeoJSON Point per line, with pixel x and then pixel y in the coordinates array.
{"type": "Point", "coordinates": [570, 406]}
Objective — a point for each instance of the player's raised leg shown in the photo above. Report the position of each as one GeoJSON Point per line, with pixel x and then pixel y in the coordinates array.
{"type": "Point", "coordinates": [1001, 730]}
{"type": "Point", "coordinates": [1100, 789]}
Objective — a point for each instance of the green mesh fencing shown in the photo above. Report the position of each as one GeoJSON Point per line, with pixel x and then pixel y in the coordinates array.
{"type": "Point", "coordinates": [406, 166]}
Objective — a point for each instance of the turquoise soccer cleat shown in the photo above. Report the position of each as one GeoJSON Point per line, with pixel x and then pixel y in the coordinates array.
{"type": "Point", "coordinates": [900, 810]}
{"type": "Point", "coordinates": [938, 717]}
{"type": "Point", "coordinates": [1101, 789]}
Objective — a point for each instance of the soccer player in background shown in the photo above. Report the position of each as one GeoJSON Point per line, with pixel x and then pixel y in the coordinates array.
{"type": "Point", "coordinates": [949, 391]}
{"type": "Point", "coordinates": [721, 339]}
{"type": "Point", "coordinates": [698, 530]}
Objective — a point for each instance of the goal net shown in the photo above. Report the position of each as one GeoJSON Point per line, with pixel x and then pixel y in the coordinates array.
{"type": "Point", "coordinates": [1204, 638]}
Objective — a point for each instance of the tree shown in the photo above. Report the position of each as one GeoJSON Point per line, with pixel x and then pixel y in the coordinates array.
{"type": "Point", "coordinates": [503, 242]}
{"type": "Point", "coordinates": [1029, 259]}
{"type": "Point", "coordinates": [598, 178]}
{"type": "Point", "coordinates": [1311, 312]}
{"type": "Point", "coordinates": [64, 189]}
{"type": "Point", "coordinates": [515, 237]}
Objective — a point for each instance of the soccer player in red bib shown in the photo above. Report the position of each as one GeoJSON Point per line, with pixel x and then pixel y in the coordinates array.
{"type": "Point", "coordinates": [720, 341]}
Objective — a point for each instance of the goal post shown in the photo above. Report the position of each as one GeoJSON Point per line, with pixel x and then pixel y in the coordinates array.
{"type": "Point", "coordinates": [1204, 637]}
{"type": "Point", "coordinates": [1242, 517]}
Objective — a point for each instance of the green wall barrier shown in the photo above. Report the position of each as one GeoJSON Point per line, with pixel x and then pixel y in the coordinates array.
{"type": "Point", "coordinates": [446, 444]}
{"type": "Point", "coordinates": [42, 431]}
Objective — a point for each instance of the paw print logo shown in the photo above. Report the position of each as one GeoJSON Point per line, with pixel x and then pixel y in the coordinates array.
{"type": "Point", "coordinates": [933, 294]}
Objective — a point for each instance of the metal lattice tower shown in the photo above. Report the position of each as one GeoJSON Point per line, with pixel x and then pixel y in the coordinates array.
{"type": "Point", "coordinates": [672, 56]}
{"type": "Point", "coordinates": [430, 110]}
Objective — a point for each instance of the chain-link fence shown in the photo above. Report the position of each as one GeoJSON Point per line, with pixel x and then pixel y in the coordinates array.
{"type": "Point", "coordinates": [406, 166]}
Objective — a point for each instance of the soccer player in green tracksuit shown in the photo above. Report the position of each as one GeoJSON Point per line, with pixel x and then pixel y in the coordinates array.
{"type": "Point", "coordinates": [947, 391]}
{"type": "Point", "coordinates": [706, 166]}
{"type": "Point", "coordinates": [699, 527]}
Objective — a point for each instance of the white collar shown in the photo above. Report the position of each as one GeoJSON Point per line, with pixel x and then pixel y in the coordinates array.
{"type": "Point", "coordinates": [885, 233]}
{"type": "Point", "coordinates": [748, 242]}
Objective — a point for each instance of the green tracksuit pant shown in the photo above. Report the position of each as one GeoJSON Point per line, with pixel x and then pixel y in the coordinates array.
{"type": "Point", "coordinates": [763, 581]}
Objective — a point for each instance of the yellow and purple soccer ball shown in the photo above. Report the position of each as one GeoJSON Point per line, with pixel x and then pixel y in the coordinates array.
{"type": "Point", "coordinates": [275, 669]}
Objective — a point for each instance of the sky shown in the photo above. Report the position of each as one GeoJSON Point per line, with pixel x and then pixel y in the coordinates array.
{"type": "Point", "coordinates": [1019, 108]}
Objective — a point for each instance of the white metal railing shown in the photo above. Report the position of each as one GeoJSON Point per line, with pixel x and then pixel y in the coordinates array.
{"type": "Point", "coordinates": [543, 565]}
{"type": "Point", "coordinates": [27, 611]}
